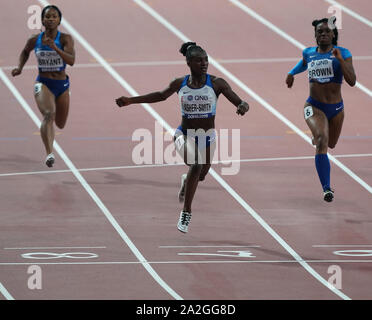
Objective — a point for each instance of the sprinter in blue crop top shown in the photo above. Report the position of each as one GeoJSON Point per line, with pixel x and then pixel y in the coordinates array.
{"type": "Point", "coordinates": [327, 65]}
{"type": "Point", "coordinates": [53, 51]}
{"type": "Point", "coordinates": [195, 137]}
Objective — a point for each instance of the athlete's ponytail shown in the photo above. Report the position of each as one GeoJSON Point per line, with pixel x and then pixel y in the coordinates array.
{"type": "Point", "coordinates": [188, 48]}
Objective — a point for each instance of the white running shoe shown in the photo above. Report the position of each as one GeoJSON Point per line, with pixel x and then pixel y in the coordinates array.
{"type": "Point", "coordinates": [181, 192]}
{"type": "Point", "coordinates": [183, 222]}
{"type": "Point", "coordinates": [49, 161]}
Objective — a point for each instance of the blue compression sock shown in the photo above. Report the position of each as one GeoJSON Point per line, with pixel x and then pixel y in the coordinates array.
{"type": "Point", "coordinates": [323, 168]}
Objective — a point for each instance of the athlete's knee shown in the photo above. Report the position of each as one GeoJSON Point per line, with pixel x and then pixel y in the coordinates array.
{"type": "Point", "coordinates": [321, 142]}
{"type": "Point", "coordinates": [60, 124]}
{"type": "Point", "coordinates": [49, 115]}
{"type": "Point", "coordinates": [332, 145]}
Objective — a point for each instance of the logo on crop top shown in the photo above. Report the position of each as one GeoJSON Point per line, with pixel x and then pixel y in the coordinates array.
{"type": "Point", "coordinates": [320, 69]}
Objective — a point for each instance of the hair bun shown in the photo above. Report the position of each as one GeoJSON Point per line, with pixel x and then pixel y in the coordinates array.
{"type": "Point", "coordinates": [186, 46]}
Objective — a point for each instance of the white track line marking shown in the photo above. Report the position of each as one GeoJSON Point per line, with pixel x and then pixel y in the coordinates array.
{"type": "Point", "coordinates": [340, 245]}
{"type": "Point", "coordinates": [179, 164]}
{"type": "Point", "coordinates": [178, 247]}
{"type": "Point", "coordinates": [219, 179]}
{"type": "Point", "coordinates": [90, 191]}
{"type": "Point", "coordinates": [285, 35]}
{"type": "Point", "coordinates": [185, 262]}
{"type": "Point", "coordinates": [5, 292]}
{"type": "Point", "coordinates": [249, 91]}
{"type": "Point", "coordinates": [178, 62]}
{"type": "Point", "coordinates": [36, 248]}
{"type": "Point", "coordinates": [351, 13]}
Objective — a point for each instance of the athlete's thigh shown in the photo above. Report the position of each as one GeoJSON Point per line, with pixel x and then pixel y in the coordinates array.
{"type": "Point", "coordinates": [335, 127]}
{"type": "Point", "coordinates": [316, 121]}
{"type": "Point", "coordinates": [62, 108]}
{"type": "Point", "coordinates": [44, 98]}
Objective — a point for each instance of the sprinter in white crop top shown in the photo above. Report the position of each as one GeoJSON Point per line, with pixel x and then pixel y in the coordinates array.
{"type": "Point", "coordinates": [195, 137]}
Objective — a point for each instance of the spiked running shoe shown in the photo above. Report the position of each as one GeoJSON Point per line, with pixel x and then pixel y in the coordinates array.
{"type": "Point", "coordinates": [49, 161]}
{"type": "Point", "coordinates": [328, 195]}
{"type": "Point", "coordinates": [183, 222]}
{"type": "Point", "coordinates": [181, 192]}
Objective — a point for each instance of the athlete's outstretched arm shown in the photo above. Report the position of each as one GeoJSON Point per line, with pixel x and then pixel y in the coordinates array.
{"type": "Point", "coordinates": [221, 86]}
{"type": "Point", "coordinates": [25, 54]}
{"type": "Point", "coordinates": [152, 97]}
{"type": "Point", "coordinates": [298, 68]}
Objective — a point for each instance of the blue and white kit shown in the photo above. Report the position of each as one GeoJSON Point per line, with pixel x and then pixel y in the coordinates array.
{"type": "Point", "coordinates": [322, 68]}
{"type": "Point", "coordinates": [50, 61]}
{"type": "Point", "coordinates": [197, 103]}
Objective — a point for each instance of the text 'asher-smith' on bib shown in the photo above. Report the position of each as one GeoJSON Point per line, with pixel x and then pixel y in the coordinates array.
{"type": "Point", "coordinates": [197, 103]}
{"type": "Point", "coordinates": [324, 67]}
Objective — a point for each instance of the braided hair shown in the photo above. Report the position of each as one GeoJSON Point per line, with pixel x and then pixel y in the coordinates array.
{"type": "Point", "coordinates": [331, 24]}
{"type": "Point", "coordinates": [189, 48]}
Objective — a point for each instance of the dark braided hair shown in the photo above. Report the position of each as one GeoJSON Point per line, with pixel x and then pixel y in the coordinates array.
{"type": "Point", "coordinates": [188, 49]}
{"type": "Point", "coordinates": [51, 7]}
{"type": "Point", "coordinates": [331, 24]}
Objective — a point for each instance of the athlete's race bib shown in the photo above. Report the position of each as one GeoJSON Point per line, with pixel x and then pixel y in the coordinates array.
{"type": "Point", "coordinates": [49, 60]}
{"type": "Point", "coordinates": [320, 70]}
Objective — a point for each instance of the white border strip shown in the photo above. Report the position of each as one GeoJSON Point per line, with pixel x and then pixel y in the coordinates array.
{"type": "Point", "coordinates": [5, 292]}
{"type": "Point", "coordinates": [10, 174]}
{"type": "Point", "coordinates": [285, 35]}
{"type": "Point", "coordinates": [90, 191]}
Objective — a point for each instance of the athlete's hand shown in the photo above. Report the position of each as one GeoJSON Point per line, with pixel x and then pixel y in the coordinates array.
{"type": "Point", "coordinates": [337, 53]}
{"type": "Point", "coordinates": [16, 72]}
{"type": "Point", "coordinates": [243, 107]}
{"type": "Point", "coordinates": [49, 42]}
{"type": "Point", "coordinates": [122, 101]}
{"type": "Point", "coordinates": [289, 80]}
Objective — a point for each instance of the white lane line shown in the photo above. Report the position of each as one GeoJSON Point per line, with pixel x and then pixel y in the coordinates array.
{"type": "Point", "coordinates": [5, 292]}
{"type": "Point", "coordinates": [219, 179]}
{"type": "Point", "coordinates": [187, 262]}
{"type": "Point", "coordinates": [351, 13]}
{"type": "Point", "coordinates": [223, 246]}
{"type": "Point", "coordinates": [249, 91]}
{"type": "Point", "coordinates": [179, 62]}
{"type": "Point", "coordinates": [285, 35]}
{"type": "Point", "coordinates": [359, 155]}
{"type": "Point", "coordinates": [340, 245]}
{"type": "Point", "coordinates": [37, 248]}
{"type": "Point", "coordinates": [89, 190]}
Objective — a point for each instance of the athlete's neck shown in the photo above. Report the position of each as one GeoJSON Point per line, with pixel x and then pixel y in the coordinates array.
{"type": "Point", "coordinates": [325, 48]}
{"type": "Point", "coordinates": [51, 33]}
{"type": "Point", "coordinates": [197, 81]}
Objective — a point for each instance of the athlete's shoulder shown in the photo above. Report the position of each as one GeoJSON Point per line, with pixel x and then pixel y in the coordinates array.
{"type": "Point", "coordinates": [176, 83]}
{"type": "Point", "coordinates": [65, 37]}
{"type": "Point", "coordinates": [31, 41]}
{"type": "Point", "coordinates": [345, 52]}
{"type": "Point", "coordinates": [309, 50]}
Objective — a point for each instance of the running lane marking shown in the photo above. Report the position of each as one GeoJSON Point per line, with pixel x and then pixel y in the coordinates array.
{"type": "Point", "coordinates": [179, 164]}
{"type": "Point", "coordinates": [5, 292]}
{"type": "Point", "coordinates": [148, 108]}
{"type": "Point", "coordinates": [89, 189]}
{"type": "Point", "coordinates": [285, 35]}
